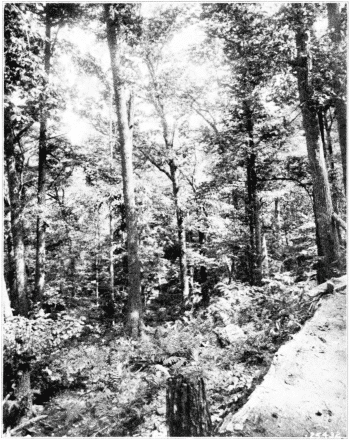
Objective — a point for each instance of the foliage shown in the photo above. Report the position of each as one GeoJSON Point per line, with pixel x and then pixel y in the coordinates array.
{"type": "Point", "coordinates": [34, 341]}
{"type": "Point", "coordinates": [214, 90]}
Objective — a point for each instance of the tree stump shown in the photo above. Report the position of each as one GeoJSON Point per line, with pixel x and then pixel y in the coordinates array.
{"type": "Point", "coordinates": [187, 410]}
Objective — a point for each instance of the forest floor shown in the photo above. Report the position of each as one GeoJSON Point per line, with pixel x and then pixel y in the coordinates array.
{"type": "Point", "coordinates": [107, 385]}
{"type": "Point", "coordinates": [304, 394]}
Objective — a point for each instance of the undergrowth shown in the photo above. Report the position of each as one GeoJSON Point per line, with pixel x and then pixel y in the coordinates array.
{"type": "Point", "coordinates": [113, 386]}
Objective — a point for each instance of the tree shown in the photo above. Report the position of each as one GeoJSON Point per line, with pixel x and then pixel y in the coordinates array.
{"type": "Point", "coordinates": [53, 15]}
{"type": "Point", "coordinates": [42, 167]}
{"type": "Point", "coordinates": [116, 18]}
{"type": "Point", "coordinates": [246, 35]}
{"type": "Point", "coordinates": [187, 407]}
{"type": "Point", "coordinates": [167, 158]}
{"type": "Point", "coordinates": [23, 78]}
{"type": "Point", "coordinates": [302, 18]}
{"type": "Point", "coordinates": [335, 26]}
{"type": "Point", "coordinates": [6, 304]}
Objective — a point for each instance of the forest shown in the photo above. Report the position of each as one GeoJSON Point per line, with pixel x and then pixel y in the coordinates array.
{"type": "Point", "coordinates": [174, 186]}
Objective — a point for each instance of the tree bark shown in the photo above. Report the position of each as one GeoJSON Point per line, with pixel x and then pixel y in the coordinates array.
{"type": "Point", "coordinates": [111, 225]}
{"type": "Point", "coordinates": [6, 304]}
{"type": "Point", "coordinates": [328, 146]}
{"type": "Point", "coordinates": [265, 255]}
{"type": "Point", "coordinates": [184, 284]}
{"type": "Point", "coordinates": [323, 201]}
{"type": "Point", "coordinates": [111, 254]}
{"type": "Point", "coordinates": [97, 257]}
{"type": "Point", "coordinates": [134, 318]}
{"type": "Point", "coordinates": [24, 393]}
{"type": "Point", "coordinates": [11, 272]}
{"type": "Point", "coordinates": [203, 270]}
{"type": "Point", "coordinates": [253, 210]}
{"type": "Point", "coordinates": [253, 205]}
{"type": "Point", "coordinates": [339, 221]}
{"type": "Point", "coordinates": [277, 223]}
{"type": "Point", "coordinates": [20, 303]}
{"type": "Point", "coordinates": [187, 410]}
{"type": "Point", "coordinates": [42, 170]}
{"type": "Point", "coordinates": [334, 25]}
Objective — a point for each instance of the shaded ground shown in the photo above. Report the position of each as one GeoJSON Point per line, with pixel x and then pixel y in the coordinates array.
{"type": "Point", "coordinates": [107, 385]}
{"type": "Point", "coordinates": [304, 392]}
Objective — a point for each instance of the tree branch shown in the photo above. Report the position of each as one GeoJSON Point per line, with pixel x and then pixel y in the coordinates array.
{"type": "Point", "coordinates": [156, 164]}
{"type": "Point", "coordinates": [339, 221]}
{"type": "Point", "coordinates": [22, 132]}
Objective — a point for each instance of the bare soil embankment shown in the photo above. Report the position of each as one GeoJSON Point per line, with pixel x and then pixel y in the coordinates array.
{"type": "Point", "coordinates": [304, 392]}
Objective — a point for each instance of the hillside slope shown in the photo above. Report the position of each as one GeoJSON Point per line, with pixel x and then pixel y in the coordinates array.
{"type": "Point", "coordinates": [304, 392]}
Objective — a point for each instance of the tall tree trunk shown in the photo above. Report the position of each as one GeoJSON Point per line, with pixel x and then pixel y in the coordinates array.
{"type": "Point", "coordinates": [134, 318]}
{"type": "Point", "coordinates": [111, 228]}
{"type": "Point", "coordinates": [328, 146]}
{"type": "Point", "coordinates": [334, 24]}
{"type": "Point", "coordinates": [97, 257]}
{"type": "Point", "coordinates": [203, 275]}
{"type": "Point", "coordinates": [6, 304]}
{"type": "Point", "coordinates": [111, 254]}
{"type": "Point", "coordinates": [42, 177]}
{"type": "Point", "coordinates": [265, 255]}
{"type": "Point", "coordinates": [320, 253]}
{"type": "Point", "coordinates": [11, 273]}
{"type": "Point", "coordinates": [277, 221]}
{"type": "Point", "coordinates": [173, 176]}
{"type": "Point", "coordinates": [180, 230]}
{"type": "Point", "coordinates": [253, 205]}
{"type": "Point", "coordinates": [20, 303]}
{"type": "Point", "coordinates": [323, 202]}
{"type": "Point", "coordinates": [253, 210]}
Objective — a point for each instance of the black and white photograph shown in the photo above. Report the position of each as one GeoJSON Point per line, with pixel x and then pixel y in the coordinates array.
{"type": "Point", "coordinates": [174, 195]}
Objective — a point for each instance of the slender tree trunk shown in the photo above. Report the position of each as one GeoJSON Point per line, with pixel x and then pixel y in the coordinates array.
{"type": "Point", "coordinates": [20, 303]}
{"type": "Point", "coordinates": [72, 273]}
{"type": "Point", "coordinates": [320, 253]}
{"type": "Point", "coordinates": [97, 258]}
{"type": "Point", "coordinates": [203, 270]}
{"type": "Point", "coordinates": [6, 304]}
{"type": "Point", "coordinates": [323, 202]}
{"type": "Point", "coordinates": [341, 115]}
{"type": "Point", "coordinates": [334, 24]}
{"type": "Point", "coordinates": [111, 226]}
{"type": "Point", "coordinates": [253, 205]}
{"type": "Point", "coordinates": [134, 319]}
{"type": "Point", "coordinates": [11, 273]}
{"type": "Point", "coordinates": [328, 146]}
{"type": "Point", "coordinates": [111, 254]}
{"type": "Point", "coordinates": [180, 230]}
{"type": "Point", "coordinates": [190, 263]}
{"type": "Point", "coordinates": [42, 177]}
{"type": "Point", "coordinates": [265, 255]}
{"type": "Point", "coordinates": [253, 209]}
{"type": "Point", "coordinates": [173, 176]}
{"type": "Point", "coordinates": [277, 225]}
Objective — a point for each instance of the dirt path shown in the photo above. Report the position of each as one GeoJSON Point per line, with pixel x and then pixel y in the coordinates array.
{"type": "Point", "coordinates": [304, 392]}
